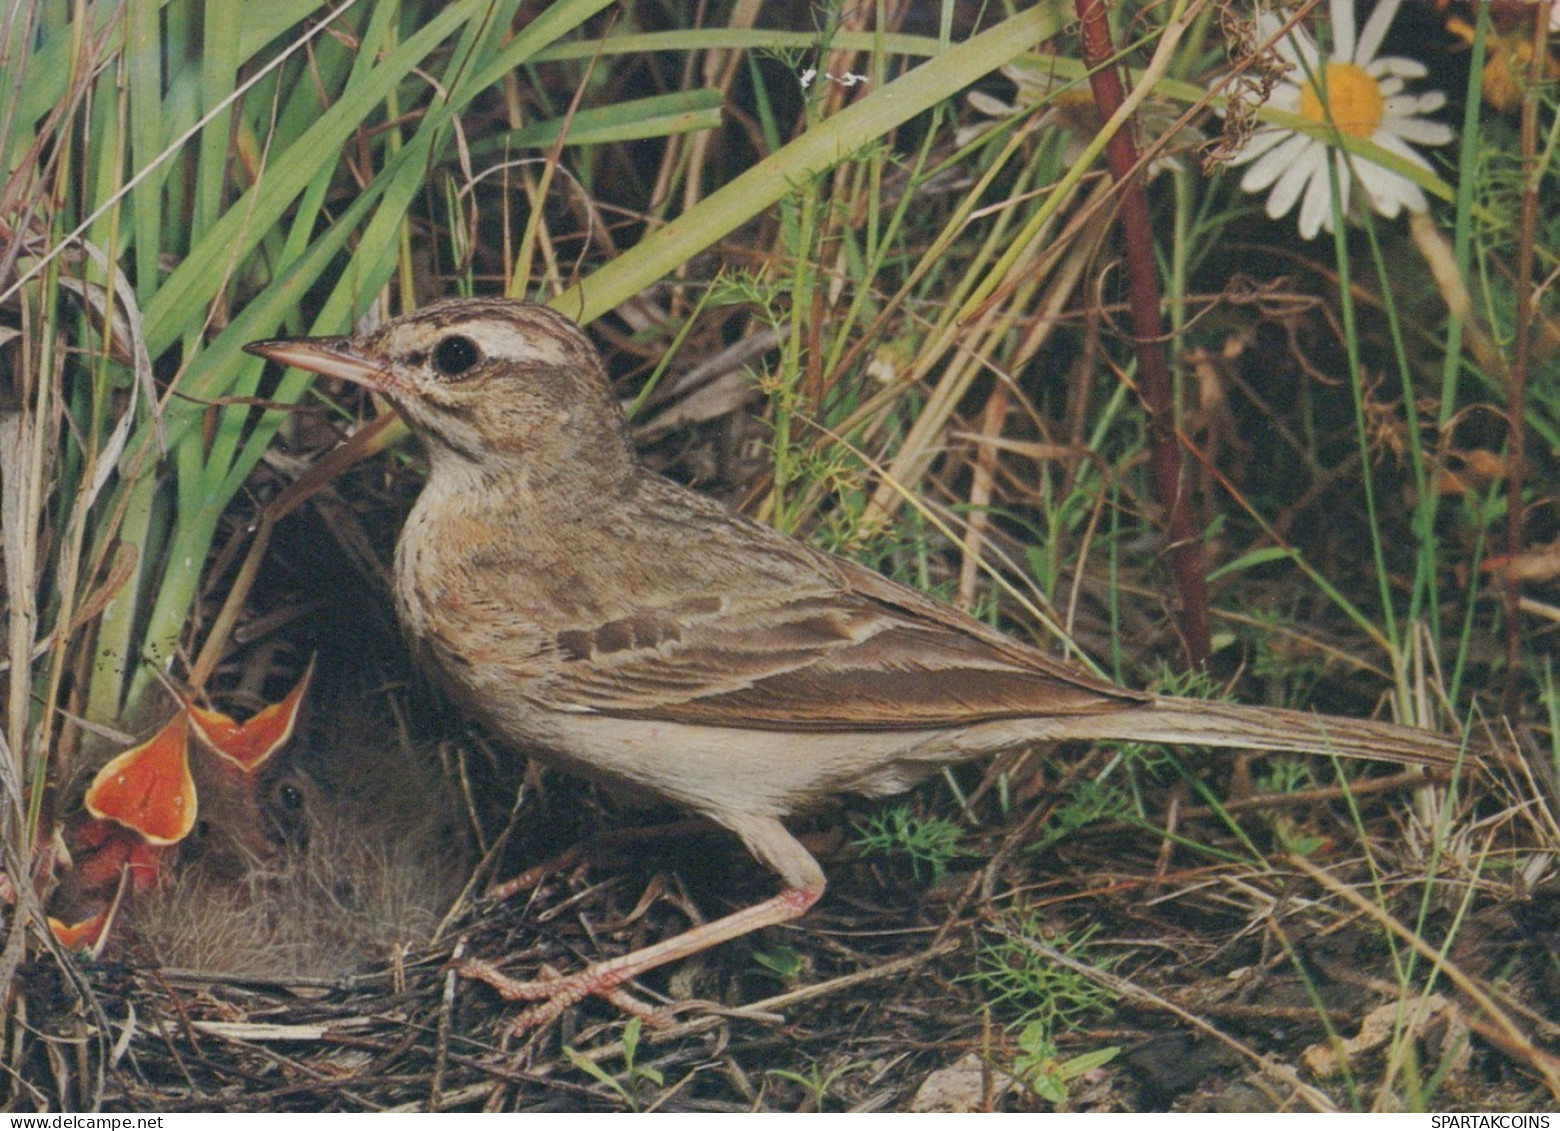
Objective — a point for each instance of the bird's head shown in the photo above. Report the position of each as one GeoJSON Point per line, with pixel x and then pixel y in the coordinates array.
{"type": "Point", "coordinates": [487, 382]}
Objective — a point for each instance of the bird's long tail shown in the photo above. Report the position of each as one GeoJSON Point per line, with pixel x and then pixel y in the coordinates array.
{"type": "Point", "coordinates": [1206, 723]}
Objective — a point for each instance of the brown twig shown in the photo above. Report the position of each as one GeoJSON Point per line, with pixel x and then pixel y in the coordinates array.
{"type": "Point", "coordinates": [1521, 352]}
{"type": "Point", "coordinates": [1154, 389]}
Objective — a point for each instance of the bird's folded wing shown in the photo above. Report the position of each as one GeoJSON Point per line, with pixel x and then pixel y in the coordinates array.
{"type": "Point", "coordinates": [843, 660]}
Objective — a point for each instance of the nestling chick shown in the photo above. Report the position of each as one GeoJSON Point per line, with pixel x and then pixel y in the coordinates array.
{"type": "Point", "coordinates": [368, 851]}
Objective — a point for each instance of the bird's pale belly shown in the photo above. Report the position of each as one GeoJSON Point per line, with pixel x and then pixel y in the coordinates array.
{"type": "Point", "coordinates": [719, 770]}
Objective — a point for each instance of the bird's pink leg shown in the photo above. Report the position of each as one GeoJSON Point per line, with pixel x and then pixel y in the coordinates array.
{"type": "Point", "coordinates": [766, 838]}
{"type": "Point", "coordinates": [604, 978]}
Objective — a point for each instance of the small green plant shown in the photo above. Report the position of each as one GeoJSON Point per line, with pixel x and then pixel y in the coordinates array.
{"type": "Point", "coordinates": [930, 842]}
{"type": "Point", "coordinates": [1086, 802]}
{"type": "Point", "coordinates": [1282, 775]}
{"type": "Point", "coordinates": [782, 962]}
{"type": "Point", "coordinates": [816, 1081]}
{"type": "Point", "coordinates": [1190, 684]}
{"type": "Point", "coordinates": [1293, 840]}
{"type": "Point", "coordinates": [1038, 1068]}
{"type": "Point", "coordinates": [1017, 976]}
{"type": "Point", "coordinates": [1274, 660]}
{"type": "Point", "coordinates": [626, 1083]}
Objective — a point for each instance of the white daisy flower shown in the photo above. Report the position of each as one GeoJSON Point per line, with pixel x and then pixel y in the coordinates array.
{"type": "Point", "coordinates": [1071, 107]}
{"type": "Point", "coordinates": [1361, 96]}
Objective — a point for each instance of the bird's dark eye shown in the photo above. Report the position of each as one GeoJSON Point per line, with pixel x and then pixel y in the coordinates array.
{"type": "Point", "coordinates": [286, 817]}
{"type": "Point", "coordinates": [456, 354]}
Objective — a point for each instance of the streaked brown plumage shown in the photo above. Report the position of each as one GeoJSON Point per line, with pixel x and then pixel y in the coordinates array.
{"type": "Point", "coordinates": [636, 633]}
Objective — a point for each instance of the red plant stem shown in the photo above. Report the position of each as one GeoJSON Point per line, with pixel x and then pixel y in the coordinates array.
{"type": "Point", "coordinates": [1154, 389]}
{"type": "Point", "coordinates": [1521, 353]}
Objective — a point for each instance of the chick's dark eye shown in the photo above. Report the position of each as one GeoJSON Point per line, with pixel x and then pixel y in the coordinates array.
{"type": "Point", "coordinates": [453, 356]}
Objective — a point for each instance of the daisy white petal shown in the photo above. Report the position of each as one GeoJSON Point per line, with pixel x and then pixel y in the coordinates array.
{"type": "Point", "coordinates": [1343, 28]}
{"type": "Point", "coordinates": [1276, 161]}
{"type": "Point", "coordinates": [1393, 145]}
{"type": "Point", "coordinates": [1259, 143]}
{"type": "Point", "coordinates": [1419, 131]}
{"type": "Point", "coordinates": [989, 105]}
{"type": "Point", "coordinates": [1388, 192]}
{"type": "Point", "coordinates": [1269, 25]}
{"type": "Point", "coordinates": [1286, 97]}
{"type": "Point", "coordinates": [1307, 57]}
{"type": "Point", "coordinates": [1316, 209]}
{"type": "Point", "coordinates": [1289, 186]}
{"type": "Point", "coordinates": [1396, 65]}
{"type": "Point", "coordinates": [1375, 30]}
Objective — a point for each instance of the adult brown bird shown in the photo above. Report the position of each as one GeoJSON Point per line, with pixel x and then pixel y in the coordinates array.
{"type": "Point", "coordinates": [633, 632]}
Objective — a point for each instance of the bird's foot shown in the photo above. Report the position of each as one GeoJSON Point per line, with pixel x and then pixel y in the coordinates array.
{"type": "Point", "coordinates": [555, 992]}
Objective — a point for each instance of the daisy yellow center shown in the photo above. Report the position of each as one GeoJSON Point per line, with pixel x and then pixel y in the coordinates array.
{"type": "Point", "coordinates": [1354, 97]}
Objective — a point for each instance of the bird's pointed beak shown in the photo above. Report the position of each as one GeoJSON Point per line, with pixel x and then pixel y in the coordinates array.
{"type": "Point", "coordinates": [332, 357]}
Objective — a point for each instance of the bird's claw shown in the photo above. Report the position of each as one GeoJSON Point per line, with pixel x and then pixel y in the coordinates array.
{"type": "Point", "coordinates": [554, 992]}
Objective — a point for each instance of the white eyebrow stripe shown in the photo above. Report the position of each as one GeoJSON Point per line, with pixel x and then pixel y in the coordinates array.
{"type": "Point", "coordinates": [506, 340]}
